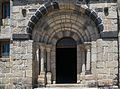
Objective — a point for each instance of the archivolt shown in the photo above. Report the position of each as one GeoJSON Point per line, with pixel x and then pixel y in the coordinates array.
{"type": "Point", "coordinates": [58, 23]}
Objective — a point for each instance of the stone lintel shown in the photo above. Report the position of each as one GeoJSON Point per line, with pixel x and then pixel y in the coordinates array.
{"type": "Point", "coordinates": [21, 37]}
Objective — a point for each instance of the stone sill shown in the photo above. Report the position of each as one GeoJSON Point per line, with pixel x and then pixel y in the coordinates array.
{"type": "Point", "coordinates": [5, 59]}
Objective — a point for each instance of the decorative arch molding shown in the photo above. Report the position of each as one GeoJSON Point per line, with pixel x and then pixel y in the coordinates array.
{"type": "Point", "coordinates": [66, 42]}
{"type": "Point", "coordinates": [54, 6]}
{"type": "Point", "coordinates": [54, 37]}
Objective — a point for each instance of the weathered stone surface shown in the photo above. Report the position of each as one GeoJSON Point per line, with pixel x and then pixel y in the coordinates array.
{"type": "Point", "coordinates": [6, 70]}
{"type": "Point", "coordinates": [104, 82]}
{"type": "Point", "coordinates": [47, 24]}
{"type": "Point", "coordinates": [101, 65]}
{"type": "Point", "coordinates": [91, 83]}
{"type": "Point", "coordinates": [89, 77]}
{"type": "Point", "coordinates": [2, 75]}
{"type": "Point", "coordinates": [2, 86]}
{"type": "Point", "coordinates": [5, 81]}
{"type": "Point", "coordinates": [112, 64]}
{"type": "Point", "coordinates": [28, 73]}
{"type": "Point", "coordinates": [102, 71]}
{"type": "Point", "coordinates": [102, 76]}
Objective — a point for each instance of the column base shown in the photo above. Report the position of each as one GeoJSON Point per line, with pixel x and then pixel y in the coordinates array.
{"type": "Point", "coordinates": [82, 78]}
{"type": "Point", "coordinates": [78, 78]}
{"type": "Point", "coordinates": [41, 79]}
{"type": "Point", "coordinates": [88, 72]}
{"type": "Point", "coordinates": [49, 75]}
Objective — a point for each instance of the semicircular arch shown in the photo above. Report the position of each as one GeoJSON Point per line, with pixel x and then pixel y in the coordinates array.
{"type": "Point", "coordinates": [46, 9]}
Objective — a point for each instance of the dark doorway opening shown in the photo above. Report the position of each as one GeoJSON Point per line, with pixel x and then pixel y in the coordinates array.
{"type": "Point", "coordinates": [66, 61]}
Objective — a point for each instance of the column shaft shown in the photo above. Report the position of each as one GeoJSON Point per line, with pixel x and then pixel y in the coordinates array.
{"type": "Point", "coordinates": [38, 56]}
{"type": "Point", "coordinates": [88, 60]}
{"type": "Point", "coordinates": [42, 59]}
{"type": "Point", "coordinates": [48, 61]}
{"type": "Point", "coordinates": [83, 61]}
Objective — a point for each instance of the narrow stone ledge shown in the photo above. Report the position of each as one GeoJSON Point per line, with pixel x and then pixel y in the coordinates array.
{"type": "Point", "coordinates": [110, 34]}
{"type": "Point", "coordinates": [20, 36]}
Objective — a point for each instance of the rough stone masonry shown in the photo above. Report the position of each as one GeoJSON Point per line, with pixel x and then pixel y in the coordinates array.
{"type": "Point", "coordinates": [35, 30]}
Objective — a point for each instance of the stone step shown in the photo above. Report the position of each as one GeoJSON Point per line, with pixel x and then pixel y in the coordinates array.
{"type": "Point", "coordinates": [66, 85]}
{"type": "Point", "coordinates": [74, 86]}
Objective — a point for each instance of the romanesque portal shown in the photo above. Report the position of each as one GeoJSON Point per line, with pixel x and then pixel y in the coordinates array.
{"type": "Point", "coordinates": [63, 42]}
{"type": "Point", "coordinates": [54, 43]}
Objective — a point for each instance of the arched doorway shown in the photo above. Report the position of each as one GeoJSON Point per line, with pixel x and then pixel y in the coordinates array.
{"type": "Point", "coordinates": [66, 61]}
{"type": "Point", "coordinates": [56, 20]}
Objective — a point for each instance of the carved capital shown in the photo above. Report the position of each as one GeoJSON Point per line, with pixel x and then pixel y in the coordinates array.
{"type": "Point", "coordinates": [48, 48]}
{"type": "Point", "coordinates": [87, 45]}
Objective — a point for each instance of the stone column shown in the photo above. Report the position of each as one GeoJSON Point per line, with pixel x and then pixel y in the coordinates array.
{"type": "Point", "coordinates": [78, 64]}
{"type": "Point", "coordinates": [53, 64]}
{"type": "Point", "coordinates": [82, 75]}
{"type": "Point", "coordinates": [49, 75]}
{"type": "Point", "coordinates": [48, 59]}
{"type": "Point", "coordinates": [80, 69]}
{"type": "Point", "coordinates": [41, 77]}
{"type": "Point", "coordinates": [11, 5]}
{"type": "Point", "coordinates": [88, 60]}
{"type": "Point", "coordinates": [82, 53]}
{"type": "Point", "coordinates": [42, 59]}
{"type": "Point", "coordinates": [37, 56]}
{"type": "Point", "coordinates": [83, 62]}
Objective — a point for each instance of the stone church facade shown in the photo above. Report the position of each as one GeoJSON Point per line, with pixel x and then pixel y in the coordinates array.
{"type": "Point", "coordinates": [50, 43]}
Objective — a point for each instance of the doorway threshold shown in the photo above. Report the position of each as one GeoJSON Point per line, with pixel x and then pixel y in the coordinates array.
{"type": "Point", "coordinates": [66, 85]}
{"type": "Point", "coordinates": [66, 88]}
